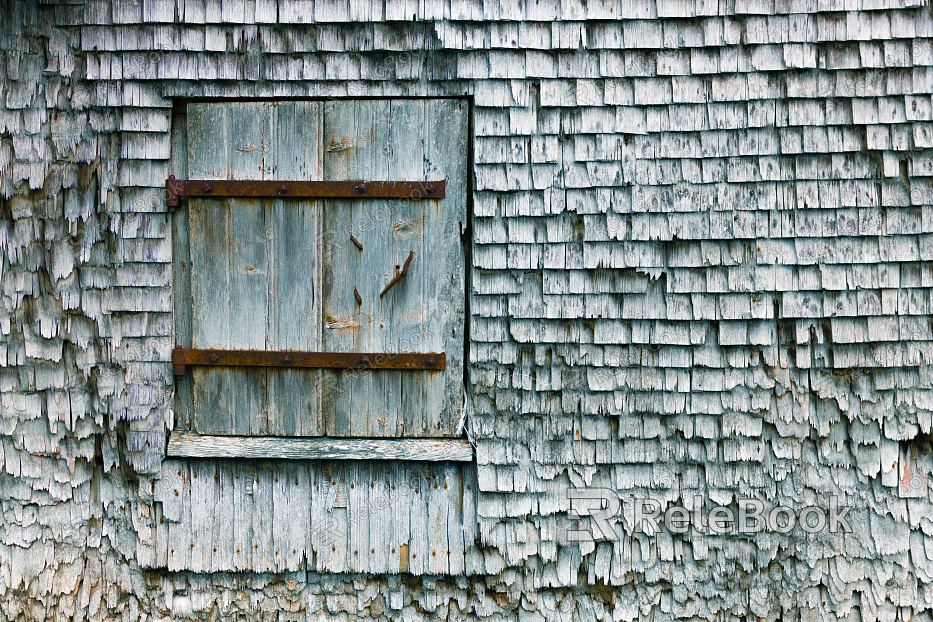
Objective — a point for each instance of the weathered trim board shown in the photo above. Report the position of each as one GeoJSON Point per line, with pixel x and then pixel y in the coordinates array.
{"type": "Point", "coordinates": [185, 444]}
{"type": "Point", "coordinates": [344, 516]}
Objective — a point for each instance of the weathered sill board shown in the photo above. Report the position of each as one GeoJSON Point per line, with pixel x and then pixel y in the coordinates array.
{"type": "Point", "coordinates": [190, 445]}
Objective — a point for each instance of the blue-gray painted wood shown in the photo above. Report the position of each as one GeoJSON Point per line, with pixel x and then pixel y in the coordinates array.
{"type": "Point", "coordinates": [381, 140]}
{"type": "Point", "coordinates": [270, 274]}
{"type": "Point", "coordinates": [181, 273]}
{"type": "Point", "coordinates": [255, 266]}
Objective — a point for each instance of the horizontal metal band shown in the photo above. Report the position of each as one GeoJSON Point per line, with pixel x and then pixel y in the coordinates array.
{"type": "Point", "coordinates": [191, 445]}
{"type": "Point", "coordinates": [183, 357]}
{"type": "Point", "coordinates": [201, 188]}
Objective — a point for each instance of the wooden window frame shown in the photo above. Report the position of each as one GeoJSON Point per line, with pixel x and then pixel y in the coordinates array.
{"type": "Point", "coordinates": [187, 444]}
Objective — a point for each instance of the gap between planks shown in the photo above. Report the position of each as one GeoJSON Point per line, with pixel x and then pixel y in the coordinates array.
{"type": "Point", "coordinates": [190, 445]}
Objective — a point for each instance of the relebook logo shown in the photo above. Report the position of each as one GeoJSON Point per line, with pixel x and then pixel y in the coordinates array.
{"type": "Point", "coordinates": [599, 514]}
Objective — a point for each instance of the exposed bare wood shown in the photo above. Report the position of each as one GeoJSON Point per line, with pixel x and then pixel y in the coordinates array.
{"type": "Point", "coordinates": [190, 445]}
{"type": "Point", "coordinates": [697, 269]}
{"type": "Point", "coordinates": [396, 139]}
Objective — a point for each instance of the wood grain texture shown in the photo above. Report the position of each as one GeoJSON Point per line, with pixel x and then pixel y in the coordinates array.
{"type": "Point", "coordinates": [255, 266]}
{"type": "Point", "coordinates": [395, 139]}
{"type": "Point", "coordinates": [261, 275]}
{"type": "Point", "coordinates": [320, 516]}
{"type": "Point", "coordinates": [181, 275]}
{"type": "Point", "coordinates": [701, 267]}
{"type": "Point", "coordinates": [249, 484]}
{"type": "Point", "coordinates": [186, 444]}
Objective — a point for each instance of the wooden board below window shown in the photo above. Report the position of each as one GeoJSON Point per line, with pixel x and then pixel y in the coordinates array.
{"type": "Point", "coordinates": [282, 516]}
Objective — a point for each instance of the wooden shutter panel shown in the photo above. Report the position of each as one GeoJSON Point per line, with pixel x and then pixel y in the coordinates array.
{"type": "Point", "coordinates": [255, 266]}
{"type": "Point", "coordinates": [284, 274]}
{"type": "Point", "coordinates": [402, 140]}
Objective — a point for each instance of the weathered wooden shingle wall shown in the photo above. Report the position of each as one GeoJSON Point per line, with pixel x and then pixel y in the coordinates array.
{"type": "Point", "coordinates": [702, 245]}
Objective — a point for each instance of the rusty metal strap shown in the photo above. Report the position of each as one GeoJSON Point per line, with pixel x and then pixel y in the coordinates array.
{"type": "Point", "coordinates": [183, 357]}
{"type": "Point", "coordinates": [412, 190]}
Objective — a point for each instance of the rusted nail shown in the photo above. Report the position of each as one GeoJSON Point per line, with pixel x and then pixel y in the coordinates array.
{"type": "Point", "coordinates": [213, 358]}
{"type": "Point", "coordinates": [432, 360]}
{"type": "Point", "coordinates": [356, 294]}
{"type": "Point", "coordinates": [283, 189]}
{"type": "Point", "coordinates": [356, 242]}
{"type": "Point", "coordinates": [399, 274]}
{"type": "Point", "coordinates": [206, 189]}
{"type": "Point", "coordinates": [360, 188]}
{"type": "Point", "coordinates": [429, 190]}
{"type": "Point", "coordinates": [364, 359]}
{"type": "Point", "coordinates": [287, 360]}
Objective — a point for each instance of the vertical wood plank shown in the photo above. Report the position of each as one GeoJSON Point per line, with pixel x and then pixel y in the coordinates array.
{"type": "Point", "coordinates": [381, 525]}
{"type": "Point", "coordinates": [222, 543]}
{"type": "Point", "coordinates": [290, 512]}
{"type": "Point", "coordinates": [208, 228]}
{"type": "Point", "coordinates": [438, 510]}
{"type": "Point", "coordinates": [180, 531]}
{"type": "Point", "coordinates": [330, 526]}
{"type": "Point", "coordinates": [181, 272]}
{"type": "Point", "coordinates": [357, 515]}
{"type": "Point", "coordinates": [243, 476]}
{"type": "Point", "coordinates": [295, 269]}
{"type": "Point", "coordinates": [201, 500]}
{"type": "Point", "coordinates": [399, 540]}
{"type": "Point", "coordinates": [317, 521]}
{"type": "Point", "coordinates": [264, 477]}
{"type": "Point", "coordinates": [418, 541]}
{"type": "Point", "coordinates": [454, 478]}
{"type": "Point", "coordinates": [473, 559]}
{"type": "Point", "coordinates": [402, 309]}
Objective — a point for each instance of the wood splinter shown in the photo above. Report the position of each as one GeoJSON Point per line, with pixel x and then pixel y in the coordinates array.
{"type": "Point", "coordinates": [399, 274]}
